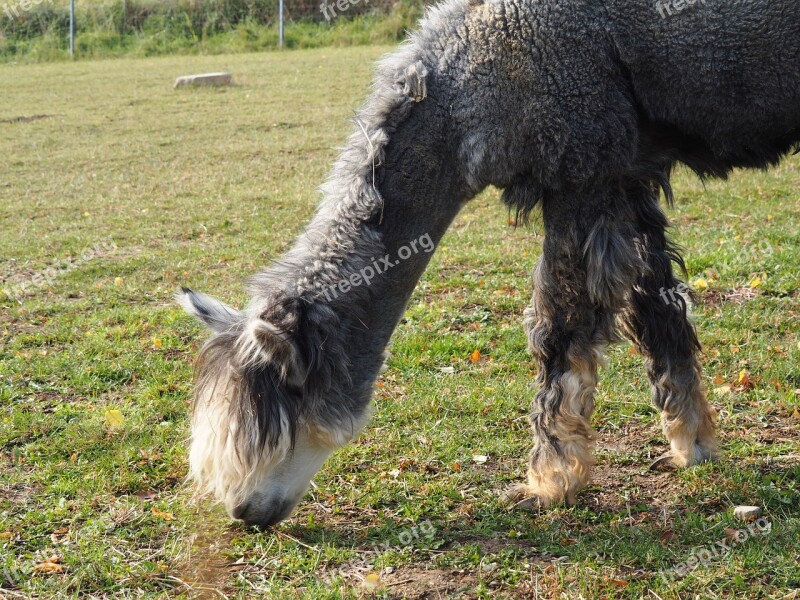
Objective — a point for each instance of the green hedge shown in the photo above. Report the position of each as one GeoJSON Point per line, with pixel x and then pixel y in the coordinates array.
{"type": "Point", "coordinates": [148, 27]}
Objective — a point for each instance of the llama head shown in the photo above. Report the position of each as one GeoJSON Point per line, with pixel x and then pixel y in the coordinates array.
{"type": "Point", "coordinates": [260, 428]}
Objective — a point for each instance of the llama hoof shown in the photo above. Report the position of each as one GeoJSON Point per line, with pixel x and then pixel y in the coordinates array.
{"type": "Point", "coordinates": [519, 497]}
{"type": "Point", "coordinates": [664, 463]}
{"type": "Point", "coordinates": [671, 462]}
{"type": "Point", "coordinates": [532, 504]}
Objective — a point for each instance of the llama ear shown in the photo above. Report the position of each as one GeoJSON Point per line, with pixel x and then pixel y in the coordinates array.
{"type": "Point", "coordinates": [217, 315]}
{"type": "Point", "coordinates": [413, 81]}
{"type": "Point", "coordinates": [270, 337]}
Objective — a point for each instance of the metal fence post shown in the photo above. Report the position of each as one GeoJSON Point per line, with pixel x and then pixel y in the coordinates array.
{"type": "Point", "coordinates": [280, 23]}
{"type": "Point", "coordinates": [72, 28]}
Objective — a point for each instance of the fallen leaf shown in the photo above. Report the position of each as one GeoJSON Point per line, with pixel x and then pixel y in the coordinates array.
{"type": "Point", "coordinates": [49, 566]}
{"type": "Point", "coordinates": [700, 284]}
{"type": "Point", "coordinates": [744, 380]}
{"type": "Point", "coordinates": [58, 535]}
{"type": "Point", "coordinates": [719, 380]}
{"type": "Point", "coordinates": [157, 343]}
{"type": "Point", "coordinates": [723, 389]}
{"type": "Point", "coordinates": [475, 356]}
{"type": "Point", "coordinates": [114, 418]}
{"type": "Point", "coordinates": [731, 533]}
{"type": "Point", "coordinates": [149, 455]}
{"type": "Point", "coordinates": [118, 281]}
{"type": "Point", "coordinates": [404, 463]}
{"type": "Point", "coordinates": [480, 459]}
{"type": "Point", "coordinates": [619, 582]}
{"type": "Point", "coordinates": [6, 535]}
{"type": "Point", "coordinates": [568, 542]}
{"type": "Point", "coordinates": [167, 516]}
{"type": "Point", "coordinates": [145, 495]}
{"type": "Point", "coordinates": [667, 535]}
{"type": "Point", "coordinates": [372, 582]}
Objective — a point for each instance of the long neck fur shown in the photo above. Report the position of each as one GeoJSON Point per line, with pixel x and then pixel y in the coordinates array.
{"type": "Point", "coordinates": [395, 181]}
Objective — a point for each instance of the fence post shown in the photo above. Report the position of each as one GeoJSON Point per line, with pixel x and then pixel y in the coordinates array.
{"type": "Point", "coordinates": [72, 28]}
{"type": "Point", "coordinates": [280, 23]}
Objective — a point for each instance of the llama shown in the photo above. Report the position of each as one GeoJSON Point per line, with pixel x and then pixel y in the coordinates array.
{"type": "Point", "coordinates": [576, 108]}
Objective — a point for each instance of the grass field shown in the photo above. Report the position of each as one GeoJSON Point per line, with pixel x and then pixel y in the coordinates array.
{"type": "Point", "coordinates": [115, 190]}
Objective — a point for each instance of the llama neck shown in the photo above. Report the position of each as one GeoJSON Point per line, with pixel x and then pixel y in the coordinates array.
{"type": "Point", "coordinates": [421, 199]}
{"type": "Point", "coordinates": [372, 238]}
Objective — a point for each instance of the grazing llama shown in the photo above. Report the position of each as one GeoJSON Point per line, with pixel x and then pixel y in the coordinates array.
{"type": "Point", "coordinates": [579, 109]}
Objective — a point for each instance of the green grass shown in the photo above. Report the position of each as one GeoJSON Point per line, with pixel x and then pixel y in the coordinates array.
{"type": "Point", "coordinates": [202, 188]}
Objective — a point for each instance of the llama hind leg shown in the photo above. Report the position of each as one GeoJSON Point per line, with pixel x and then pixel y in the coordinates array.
{"type": "Point", "coordinates": [656, 319]}
{"type": "Point", "coordinates": [578, 287]}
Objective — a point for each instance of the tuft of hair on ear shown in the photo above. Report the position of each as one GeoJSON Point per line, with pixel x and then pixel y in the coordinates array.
{"type": "Point", "coordinates": [413, 81]}
{"type": "Point", "coordinates": [269, 338]}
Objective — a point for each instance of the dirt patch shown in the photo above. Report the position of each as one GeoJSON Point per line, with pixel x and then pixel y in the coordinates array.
{"type": "Point", "coordinates": [622, 471]}
{"type": "Point", "coordinates": [19, 493]}
{"type": "Point", "coordinates": [740, 295]}
{"type": "Point", "coordinates": [26, 119]}
{"type": "Point", "coordinates": [489, 545]}
{"type": "Point", "coordinates": [407, 582]}
{"type": "Point", "coordinates": [417, 583]}
{"type": "Point", "coordinates": [206, 571]}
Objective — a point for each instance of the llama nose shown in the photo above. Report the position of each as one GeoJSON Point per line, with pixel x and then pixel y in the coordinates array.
{"type": "Point", "coordinates": [262, 516]}
{"type": "Point", "coordinates": [270, 518]}
{"type": "Point", "coordinates": [240, 511]}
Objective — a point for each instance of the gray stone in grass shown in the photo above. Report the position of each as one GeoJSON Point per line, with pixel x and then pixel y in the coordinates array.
{"type": "Point", "coordinates": [204, 79]}
{"type": "Point", "coordinates": [745, 513]}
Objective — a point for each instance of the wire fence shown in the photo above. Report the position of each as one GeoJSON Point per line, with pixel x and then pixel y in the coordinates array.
{"type": "Point", "coordinates": [28, 18]}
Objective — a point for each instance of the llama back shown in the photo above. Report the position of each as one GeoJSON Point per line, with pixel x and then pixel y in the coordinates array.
{"type": "Point", "coordinates": [729, 72]}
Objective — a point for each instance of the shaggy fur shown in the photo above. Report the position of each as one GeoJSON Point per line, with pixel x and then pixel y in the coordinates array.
{"type": "Point", "coordinates": [579, 107]}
